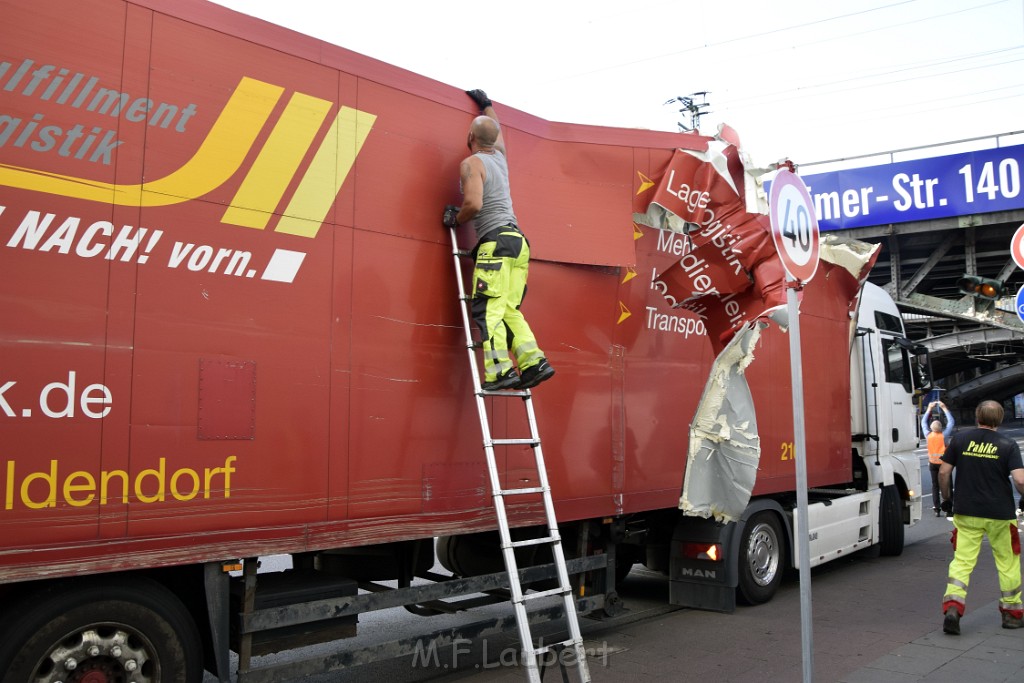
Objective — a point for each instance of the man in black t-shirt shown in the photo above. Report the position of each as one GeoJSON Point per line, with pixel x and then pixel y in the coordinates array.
{"type": "Point", "coordinates": [983, 504]}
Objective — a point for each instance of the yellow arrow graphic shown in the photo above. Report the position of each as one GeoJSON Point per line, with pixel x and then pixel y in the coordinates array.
{"type": "Point", "coordinates": [623, 313]}
{"type": "Point", "coordinates": [645, 183]}
{"type": "Point", "coordinates": [637, 232]}
{"type": "Point", "coordinates": [630, 274]}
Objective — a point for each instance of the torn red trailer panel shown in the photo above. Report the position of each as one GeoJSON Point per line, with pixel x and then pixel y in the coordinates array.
{"type": "Point", "coordinates": [230, 319]}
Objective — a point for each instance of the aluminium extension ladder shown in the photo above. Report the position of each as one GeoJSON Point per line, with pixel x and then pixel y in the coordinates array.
{"type": "Point", "coordinates": [508, 546]}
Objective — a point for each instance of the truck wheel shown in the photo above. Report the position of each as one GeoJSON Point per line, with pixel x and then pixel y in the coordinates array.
{"type": "Point", "coordinates": [890, 522]}
{"type": "Point", "coordinates": [622, 569]}
{"type": "Point", "coordinates": [100, 632]}
{"type": "Point", "coordinates": [626, 557]}
{"type": "Point", "coordinates": [761, 559]}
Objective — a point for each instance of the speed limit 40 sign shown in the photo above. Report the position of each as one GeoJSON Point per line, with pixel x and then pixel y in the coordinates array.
{"type": "Point", "coordinates": [1017, 247]}
{"type": "Point", "coordinates": [1017, 252]}
{"type": "Point", "coordinates": [794, 225]}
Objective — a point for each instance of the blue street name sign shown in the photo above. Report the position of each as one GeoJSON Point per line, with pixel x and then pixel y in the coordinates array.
{"type": "Point", "coordinates": [923, 189]}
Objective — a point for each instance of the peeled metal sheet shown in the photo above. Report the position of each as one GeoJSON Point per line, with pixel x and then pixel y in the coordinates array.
{"type": "Point", "coordinates": [724, 446]}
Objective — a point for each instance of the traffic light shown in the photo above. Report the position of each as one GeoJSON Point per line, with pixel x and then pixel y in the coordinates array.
{"type": "Point", "coordinates": [981, 287]}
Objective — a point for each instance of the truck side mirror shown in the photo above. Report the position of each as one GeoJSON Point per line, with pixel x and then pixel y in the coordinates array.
{"type": "Point", "coordinates": [922, 365]}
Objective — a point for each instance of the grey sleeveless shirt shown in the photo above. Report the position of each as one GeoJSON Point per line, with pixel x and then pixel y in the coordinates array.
{"type": "Point", "coordinates": [497, 200]}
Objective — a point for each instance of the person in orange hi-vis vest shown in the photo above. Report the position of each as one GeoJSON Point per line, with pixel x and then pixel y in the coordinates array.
{"type": "Point", "coordinates": [936, 439]}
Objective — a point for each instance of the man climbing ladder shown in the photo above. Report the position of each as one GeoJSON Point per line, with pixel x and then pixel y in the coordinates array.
{"type": "Point", "coordinates": [502, 258]}
{"type": "Point", "coordinates": [499, 283]}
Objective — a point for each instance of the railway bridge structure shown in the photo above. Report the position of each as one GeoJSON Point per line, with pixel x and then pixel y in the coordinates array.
{"type": "Point", "coordinates": [940, 214]}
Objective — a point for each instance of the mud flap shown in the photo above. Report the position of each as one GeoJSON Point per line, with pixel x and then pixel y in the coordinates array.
{"type": "Point", "coordinates": [703, 571]}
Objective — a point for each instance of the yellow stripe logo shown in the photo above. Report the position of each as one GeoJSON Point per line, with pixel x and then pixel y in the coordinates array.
{"type": "Point", "coordinates": [222, 153]}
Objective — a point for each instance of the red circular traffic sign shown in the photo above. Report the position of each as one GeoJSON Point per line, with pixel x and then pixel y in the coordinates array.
{"type": "Point", "coordinates": [794, 225]}
{"type": "Point", "coordinates": [1017, 247]}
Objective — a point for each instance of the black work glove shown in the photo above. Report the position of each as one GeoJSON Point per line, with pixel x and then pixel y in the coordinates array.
{"type": "Point", "coordinates": [1021, 506]}
{"type": "Point", "coordinates": [450, 218]}
{"type": "Point", "coordinates": [480, 97]}
{"type": "Point", "coordinates": [947, 506]}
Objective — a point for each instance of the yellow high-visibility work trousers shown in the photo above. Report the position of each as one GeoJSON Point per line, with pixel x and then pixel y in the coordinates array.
{"type": "Point", "coordinates": [499, 286]}
{"type": "Point", "coordinates": [1005, 542]}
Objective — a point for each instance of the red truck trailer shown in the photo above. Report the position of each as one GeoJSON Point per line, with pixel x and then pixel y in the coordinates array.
{"type": "Point", "coordinates": [230, 330]}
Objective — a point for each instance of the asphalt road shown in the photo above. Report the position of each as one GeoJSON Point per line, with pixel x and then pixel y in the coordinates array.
{"type": "Point", "coordinates": [645, 594]}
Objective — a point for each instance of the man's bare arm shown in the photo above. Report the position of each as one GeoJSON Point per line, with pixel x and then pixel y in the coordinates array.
{"type": "Point", "coordinates": [487, 109]}
{"type": "Point", "coordinates": [1018, 480]}
{"type": "Point", "coordinates": [499, 144]}
{"type": "Point", "coordinates": [471, 171]}
{"type": "Point", "coordinates": [945, 480]}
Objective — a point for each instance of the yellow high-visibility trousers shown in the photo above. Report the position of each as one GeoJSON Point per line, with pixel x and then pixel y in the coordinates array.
{"type": "Point", "coordinates": [499, 287]}
{"type": "Point", "coordinates": [1005, 543]}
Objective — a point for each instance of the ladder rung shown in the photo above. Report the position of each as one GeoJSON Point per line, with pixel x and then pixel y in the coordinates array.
{"type": "Point", "coordinates": [548, 648]}
{"type": "Point", "coordinates": [535, 541]}
{"type": "Point", "coordinates": [520, 492]}
{"type": "Point", "coordinates": [513, 442]}
{"type": "Point", "coordinates": [505, 392]}
{"type": "Point", "coordinates": [545, 594]}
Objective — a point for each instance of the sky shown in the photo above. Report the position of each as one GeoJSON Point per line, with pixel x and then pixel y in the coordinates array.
{"type": "Point", "coordinates": [812, 81]}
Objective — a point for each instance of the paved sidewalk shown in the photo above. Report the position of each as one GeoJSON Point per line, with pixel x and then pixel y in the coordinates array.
{"type": "Point", "coordinates": [984, 653]}
{"type": "Point", "coordinates": [876, 620]}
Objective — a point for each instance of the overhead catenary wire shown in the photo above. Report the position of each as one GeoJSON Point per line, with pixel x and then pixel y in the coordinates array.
{"type": "Point", "coordinates": [852, 118]}
{"type": "Point", "coordinates": [944, 74]}
{"type": "Point", "coordinates": [842, 84]}
{"type": "Point", "coordinates": [617, 65]}
{"type": "Point", "coordinates": [763, 34]}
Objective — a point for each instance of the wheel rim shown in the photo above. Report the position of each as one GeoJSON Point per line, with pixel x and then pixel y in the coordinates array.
{"type": "Point", "coordinates": [100, 653]}
{"type": "Point", "coordinates": [763, 554]}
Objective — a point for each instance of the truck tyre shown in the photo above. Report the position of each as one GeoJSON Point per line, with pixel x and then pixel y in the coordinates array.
{"type": "Point", "coordinates": [625, 557]}
{"type": "Point", "coordinates": [890, 522]}
{"type": "Point", "coordinates": [761, 559]}
{"type": "Point", "coordinates": [106, 630]}
{"type": "Point", "coordinates": [622, 569]}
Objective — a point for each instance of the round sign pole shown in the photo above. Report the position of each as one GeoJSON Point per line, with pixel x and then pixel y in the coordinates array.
{"type": "Point", "coordinates": [795, 231]}
{"type": "Point", "coordinates": [800, 455]}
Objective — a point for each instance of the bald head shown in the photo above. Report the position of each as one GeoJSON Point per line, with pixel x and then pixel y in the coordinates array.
{"type": "Point", "coordinates": [484, 130]}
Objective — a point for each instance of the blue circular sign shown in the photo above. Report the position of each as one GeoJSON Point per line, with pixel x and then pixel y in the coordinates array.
{"type": "Point", "coordinates": [1019, 303]}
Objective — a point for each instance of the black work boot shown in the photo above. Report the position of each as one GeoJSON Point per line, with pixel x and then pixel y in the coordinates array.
{"type": "Point", "coordinates": [951, 623]}
{"type": "Point", "coordinates": [1010, 621]}
{"type": "Point", "coordinates": [535, 374]}
{"type": "Point", "coordinates": [508, 380]}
